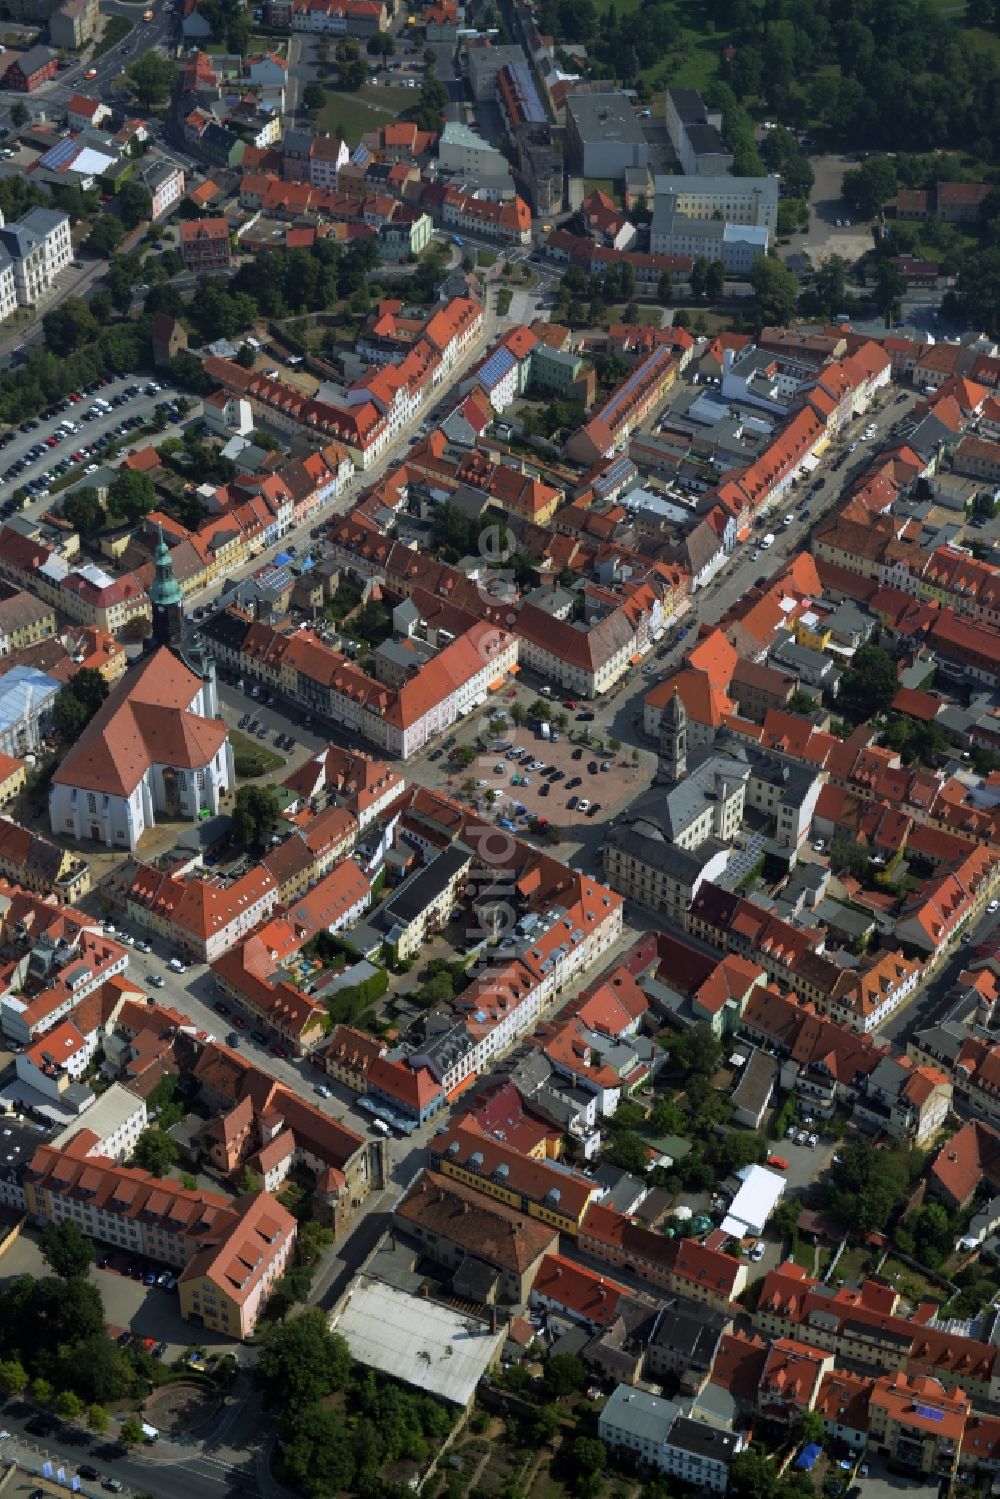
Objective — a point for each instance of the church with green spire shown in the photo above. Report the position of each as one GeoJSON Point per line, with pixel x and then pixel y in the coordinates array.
{"type": "Point", "coordinates": [166, 600]}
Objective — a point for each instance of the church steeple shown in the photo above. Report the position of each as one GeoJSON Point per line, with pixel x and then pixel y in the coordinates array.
{"type": "Point", "coordinates": [166, 599]}
{"type": "Point", "coordinates": [673, 739]}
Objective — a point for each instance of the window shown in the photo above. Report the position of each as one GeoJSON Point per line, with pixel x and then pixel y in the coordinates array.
{"type": "Point", "coordinates": [91, 802]}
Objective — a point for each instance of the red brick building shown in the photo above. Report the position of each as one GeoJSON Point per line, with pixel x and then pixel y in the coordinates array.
{"type": "Point", "coordinates": [32, 68]}
{"type": "Point", "coordinates": [205, 244]}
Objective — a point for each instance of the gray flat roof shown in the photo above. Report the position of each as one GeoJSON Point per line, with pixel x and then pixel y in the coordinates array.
{"type": "Point", "coordinates": [605, 117]}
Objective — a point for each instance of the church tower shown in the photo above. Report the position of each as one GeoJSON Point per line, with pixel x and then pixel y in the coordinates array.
{"type": "Point", "coordinates": [673, 740]}
{"type": "Point", "coordinates": [165, 597]}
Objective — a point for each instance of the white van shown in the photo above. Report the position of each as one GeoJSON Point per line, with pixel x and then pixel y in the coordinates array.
{"type": "Point", "coordinates": [767, 541]}
{"type": "Point", "coordinates": [381, 1126]}
{"type": "Point", "coordinates": [149, 1433]}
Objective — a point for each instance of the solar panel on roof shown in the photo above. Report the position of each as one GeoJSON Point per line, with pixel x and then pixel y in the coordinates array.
{"type": "Point", "coordinates": [929, 1413]}
{"type": "Point", "coordinates": [61, 153]}
{"type": "Point", "coordinates": [498, 365]}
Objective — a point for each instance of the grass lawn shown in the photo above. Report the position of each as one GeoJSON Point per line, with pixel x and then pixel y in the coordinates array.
{"type": "Point", "coordinates": [850, 1266]}
{"type": "Point", "coordinates": [252, 757]}
{"type": "Point", "coordinates": [649, 317]}
{"type": "Point", "coordinates": [355, 114]}
{"type": "Point", "coordinates": [486, 257]}
{"type": "Point", "coordinates": [911, 1283]}
{"type": "Point", "coordinates": [602, 185]}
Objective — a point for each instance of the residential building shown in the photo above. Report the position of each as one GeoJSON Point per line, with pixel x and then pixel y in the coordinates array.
{"type": "Point", "coordinates": [205, 245]}
{"type": "Point", "coordinates": [454, 1223]}
{"type": "Point", "coordinates": [73, 24]}
{"type": "Point", "coordinates": [164, 181]}
{"type": "Point", "coordinates": [654, 1431]}
{"type": "Point", "coordinates": [30, 70]}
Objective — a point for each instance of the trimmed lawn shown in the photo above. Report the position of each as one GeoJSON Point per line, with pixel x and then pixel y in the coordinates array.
{"type": "Point", "coordinates": [355, 114]}
{"type": "Point", "coordinates": [252, 756]}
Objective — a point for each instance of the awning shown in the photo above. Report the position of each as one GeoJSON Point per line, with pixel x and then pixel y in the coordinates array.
{"type": "Point", "coordinates": [634, 660]}
{"type": "Point", "coordinates": [495, 685]}
{"type": "Point", "coordinates": [513, 670]}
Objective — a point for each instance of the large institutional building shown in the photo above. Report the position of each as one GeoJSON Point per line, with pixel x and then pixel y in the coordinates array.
{"type": "Point", "coordinates": [156, 746]}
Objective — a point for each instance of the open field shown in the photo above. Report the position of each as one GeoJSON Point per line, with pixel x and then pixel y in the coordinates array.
{"type": "Point", "coordinates": [352, 115]}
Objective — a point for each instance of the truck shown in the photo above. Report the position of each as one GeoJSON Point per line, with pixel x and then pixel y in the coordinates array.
{"type": "Point", "coordinates": [544, 730]}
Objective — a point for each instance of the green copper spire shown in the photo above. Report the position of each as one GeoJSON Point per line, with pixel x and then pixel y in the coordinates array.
{"type": "Point", "coordinates": [166, 591]}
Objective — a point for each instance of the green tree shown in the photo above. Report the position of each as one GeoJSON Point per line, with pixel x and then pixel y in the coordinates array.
{"type": "Point", "coordinates": [301, 1361]}
{"type": "Point", "coordinates": [697, 1050]}
{"type": "Point", "coordinates": [255, 815]}
{"type": "Point", "coordinates": [562, 1374]}
{"type": "Point", "coordinates": [871, 186]}
{"type": "Point", "coordinates": [97, 1418]}
{"type": "Point", "coordinates": [629, 1151]}
{"type": "Point", "coordinates": [68, 1405]}
{"type": "Point", "coordinates": [587, 1458]}
{"type": "Point", "coordinates": [99, 1373]}
{"type": "Point", "coordinates": [869, 684]}
{"type": "Point", "coordinates": [848, 857]}
{"type": "Point", "coordinates": [889, 290]}
{"type": "Point", "coordinates": [382, 44]}
{"type": "Point", "coordinates": [775, 289]}
{"type": "Point", "coordinates": [151, 78]}
{"type": "Point", "coordinates": [69, 326]}
{"type": "Point", "coordinates": [752, 1475]}
{"type": "Point", "coordinates": [18, 114]}
{"type": "Point", "coordinates": [715, 281]}
{"type": "Point", "coordinates": [134, 204]}
{"type": "Point", "coordinates": [131, 495]}
{"type": "Point", "coordinates": [313, 1240]}
{"type": "Point", "coordinates": [699, 276]}
{"type": "Point", "coordinates": [66, 1250]}
{"type": "Point", "coordinates": [13, 1376]}
{"type": "Point", "coordinates": [105, 236]}
{"type": "Point", "coordinates": [810, 1427]}
{"type": "Point", "coordinates": [42, 1391]}
{"type": "Point", "coordinates": [318, 1456]}
{"type": "Point", "coordinates": [83, 509]}
{"type": "Point", "coordinates": [155, 1151]}
{"type": "Point", "coordinates": [313, 97]}
{"type": "Point", "coordinates": [130, 1431]}
{"type": "Point", "coordinates": [866, 1186]}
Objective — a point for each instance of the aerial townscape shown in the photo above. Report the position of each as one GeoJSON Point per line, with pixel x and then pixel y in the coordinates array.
{"type": "Point", "coordinates": [499, 749]}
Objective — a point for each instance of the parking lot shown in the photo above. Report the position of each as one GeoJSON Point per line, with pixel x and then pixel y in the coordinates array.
{"type": "Point", "coordinates": [145, 1312]}
{"type": "Point", "coordinates": [43, 449]}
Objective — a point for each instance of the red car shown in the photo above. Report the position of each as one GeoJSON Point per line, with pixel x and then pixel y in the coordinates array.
{"type": "Point", "coordinates": [778, 1161]}
{"type": "Point", "coordinates": [75, 397]}
{"type": "Point", "coordinates": [52, 442]}
{"type": "Point", "coordinates": [569, 703]}
{"type": "Point", "coordinates": [239, 1022]}
{"type": "Point", "coordinates": [277, 1050]}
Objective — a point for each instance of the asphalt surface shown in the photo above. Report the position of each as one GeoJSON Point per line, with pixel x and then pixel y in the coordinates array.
{"type": "Point", "coordinates": [17, 448]}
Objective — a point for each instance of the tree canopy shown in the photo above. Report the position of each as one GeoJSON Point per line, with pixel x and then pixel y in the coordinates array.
{"type": "Point", "coordinates": [66, 1249]}
{"type": "Point", "coordinates": [155, 1151]}
{"type": "Point", "coordinates": [301, 1361]}
{"type": "Point", "coordinates": [869, 684]}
